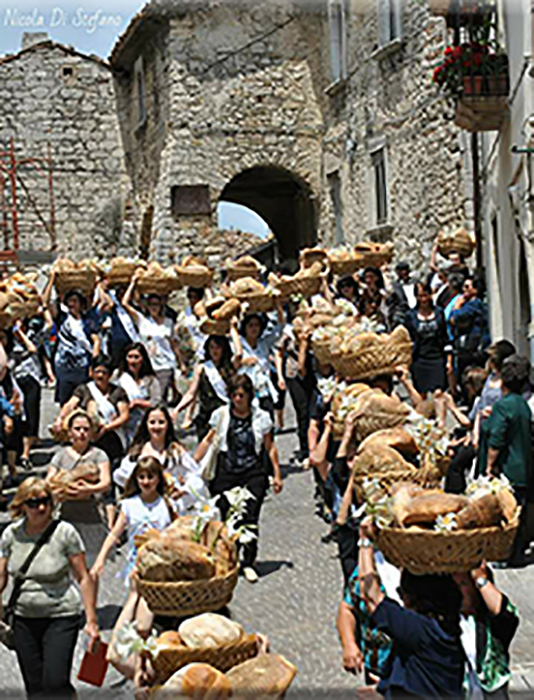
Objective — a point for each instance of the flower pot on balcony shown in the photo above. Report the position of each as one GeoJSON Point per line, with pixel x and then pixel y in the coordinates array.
{"type": "Point", "coordinates": [483, 105]}
{"type": "Point", "coordinates": [473, 85]}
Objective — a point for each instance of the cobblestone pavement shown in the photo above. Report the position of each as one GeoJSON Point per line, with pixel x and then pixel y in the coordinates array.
{"type": "Point", "coordinates": [294, 602]}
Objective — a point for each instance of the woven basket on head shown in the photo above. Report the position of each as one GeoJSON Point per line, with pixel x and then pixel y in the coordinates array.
{"type": "Point", "coordinates": [223, 657]}
{"type": "Point", "coordinates": [321, 350]}
{"type": "Point", "coordinates": [212, 327]}
{"type": "Point", "coordinates": [306, 286]}
{"type": "Point", "coordinates": [190, 277]}
{"type": "Point", "coordinates": [308, 256]}
{"type": "Point", "coordinates": [346, 267]}
{"type": "Point", "coordinates": [369, 423]}
{"type": "Point", "coordinates": [6, 319]}
{"type": "Point", "coordinates": [121, 273]}
{"type": "Point", "coordinates": [181, 598]}
{"type": "Point", "coordinates": [155, 285]}
{"type": "Point", "coordinates": [432, 552]}
{"type": "Point", "coordinates": [458, 242]}
{"type": "Point", "coordinates": [83, 281]}
{"type": "Point", "coordinates": [381, 358]}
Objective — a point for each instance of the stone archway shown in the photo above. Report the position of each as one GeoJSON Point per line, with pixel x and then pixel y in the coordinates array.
{"type": "Point", "coordinates": [283, 200]}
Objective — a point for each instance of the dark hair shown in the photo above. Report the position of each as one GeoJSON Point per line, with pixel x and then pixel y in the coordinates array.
{"type": "Point", "coordinates": [499, 351]}
{"type": "Point", "coordinates": [402, 265]}
{"type": "Point", "coordinates": [158, 297]}
{"type": "Point", "coordinates": [386, 379]}
{"type": "Point", "coordinates": [153, 466]}
{"type": "Point", "coordinates": [250, 317]}
{"type": "Point", "coordinates": [223, 342]}
{"type": "Point", "coordinates": [455, 281]}
{"type": "Point", "coordinates": [142, 435]}
{"type": "Point", "coordinates": [75, 294]}
{"type": "Point", "coordinates": [242, 381]}
{"type": "Point", "coordinates": [198, 291]}
{"type": "Point", "coordinates": [436, 596]}
{"type": "Point", "coordinates": [364, 299]}
{"type": "Point", "coordinates": [425, 288]}
{"type": "Point", "coordinates": [515, 373]}
{"type": "Point", "coordinates": [474, 377]}
{"type": "Point", "coordinates": [377, 273]}
{"type": "Point", "coordinates": [345, 281]}
{"type": "Point", "coordinates": [146, 368]}
{"type": "Point", "coordinates": [102, 361]}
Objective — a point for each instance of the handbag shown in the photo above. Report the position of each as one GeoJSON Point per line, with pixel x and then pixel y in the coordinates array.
{"type": "Point", "coordinates": [8, 618]}
{"type": "Point", "coordinates": [209, 462]}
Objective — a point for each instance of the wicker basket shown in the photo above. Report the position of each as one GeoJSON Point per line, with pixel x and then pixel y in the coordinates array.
{"type": "Point", "coordinates": [347, 267]}
{"type": "Point", "coordinates": [6, 319]}
{"type": "Point", "coordinates": [183, 598]}
{"type": "Point", "coordinates": [212, 327]}
{"type": "Point", "coordinates": [431, 552]}
{"type": "Point", "coordinates": [306, 286]}
{"type": "Point", "coordinates": [458, 242]}
{"type": "Point", "coordinates": [308, 256]}
{"type": "Point", "coordinates": [223, 658]}
{"type": "Point", "coordinates": [121, 273]}
{"type": "Point", "coordinates": [322, 352]}
{"type": "Point", "coordinates": [81, 280]}
{"type": "Point", "coordinates": [190, 277]}
{"type": "Point", "coordinates": [237, 272]}
{"type": "Point", "coordinates": [381, 358]}
{"type": "Point", "coordinates": [161, 286]}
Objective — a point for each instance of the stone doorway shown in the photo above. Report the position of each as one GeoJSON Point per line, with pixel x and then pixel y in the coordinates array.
{"type": "Point", "coordinates": [283, 200]}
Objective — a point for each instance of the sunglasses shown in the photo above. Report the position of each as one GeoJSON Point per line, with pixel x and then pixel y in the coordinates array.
{"type": "Point", "coordinates": [34, 503]}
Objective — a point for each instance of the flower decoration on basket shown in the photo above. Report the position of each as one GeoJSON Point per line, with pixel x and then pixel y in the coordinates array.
{"type": "Point", "coordinates": [472, 69]}
{"type": "Point", "coordinates": [238, 498]}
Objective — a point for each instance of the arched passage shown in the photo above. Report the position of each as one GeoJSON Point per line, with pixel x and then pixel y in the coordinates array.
{"type": "Point", "coordinates": [284, 201]}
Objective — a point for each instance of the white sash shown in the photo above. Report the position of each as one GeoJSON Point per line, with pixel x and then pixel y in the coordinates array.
{"type": "Point", "coordinates": [125, 319]}
{"type": "Point", "coordinates": [132, 388]}
{"type": "Point", "coordinates": [259, 372]}
{"type": "Point", "coordinates": [106, 410]}
{"type": "Point", "coordinates": [77, 332]}
{"type": "Point", "coordinates": [216, 381]}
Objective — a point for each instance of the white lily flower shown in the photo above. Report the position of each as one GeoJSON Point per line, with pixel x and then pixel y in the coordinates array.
{"type": "Point", "coordinates": [128, 641]}
{"type": "Point", "coordinates": [238, 497]}
{"type": "Point", "coordinates": [445, 523]}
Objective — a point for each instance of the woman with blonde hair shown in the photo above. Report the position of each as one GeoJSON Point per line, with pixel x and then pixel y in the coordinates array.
{"type": "Point", "coordinates": [80, 500]}
{"type": "Point", "coordinates": [47, 609]}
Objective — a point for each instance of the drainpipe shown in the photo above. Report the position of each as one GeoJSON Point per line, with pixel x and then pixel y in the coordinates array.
{"type": "Point", "coordinates": [477, 198]}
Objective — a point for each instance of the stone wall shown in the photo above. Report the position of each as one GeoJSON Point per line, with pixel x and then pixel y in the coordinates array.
{"type": "Point", "coordinates": [388, 99]}
{"type": "Point", "coordinates": [50, 94]}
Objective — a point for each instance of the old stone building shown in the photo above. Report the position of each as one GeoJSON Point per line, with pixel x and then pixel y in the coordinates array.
{"type": "Point", "coordinates": [320, 116]}
{"type": "Point", "coordinates": [58, 106]}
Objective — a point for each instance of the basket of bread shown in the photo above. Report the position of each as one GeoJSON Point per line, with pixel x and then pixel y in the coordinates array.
{"type": "Point", "coordinates": [81, 276]}
{"type": "Point", "coordinates": [62, 479]}
{"type": "Point", "coordinates": [217, 314]}
{"type": "Point", "coordinates": [258, 299]}
{"type": "Point", "coordinates": [365, 355]}
{"type": "Point", "coordinates": [194, 272]}
{"type": "Point", "coordinates": [264, 676]}
{"type": "Point", "coordinates": [343, 261]}
{"type": "Point", "coordinates": [309, 256]}
{"type": "Point", "coordinates": [436, 532]}
{"type": "Point", "coordinates": [156, 280]}
{"type": "Point", "coordinates": [179, 572]}
{"type": "Point", "coordinates": [246, 266]}
{"type": "Point", "coordinates": [121, 270]}
{"type": "Point", "coordinates": [374, 254]}
{"type": "Point", "coordinates": [208, 638]}
{"type": "Point", "coordinates": [19, 299]}
{"type": "Point", "coordinates": [306, 282]}
{"type": "Point", "coordinates": [459, 241]}
{"type": "Point", "coordinates": [369, 410]}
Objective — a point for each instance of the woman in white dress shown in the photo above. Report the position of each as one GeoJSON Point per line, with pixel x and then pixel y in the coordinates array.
{"type": "Point", "coordinates": [156, 332]}
{"type": "Point", "coordinates": [155, 438]}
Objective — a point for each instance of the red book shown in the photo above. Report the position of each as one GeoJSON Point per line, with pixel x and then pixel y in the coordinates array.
{"type": "Point", "coordinates": [94, 666]}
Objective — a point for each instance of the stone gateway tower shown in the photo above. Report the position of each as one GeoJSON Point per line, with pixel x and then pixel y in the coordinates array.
{"type": "Point", "coordinates": [218, 101]}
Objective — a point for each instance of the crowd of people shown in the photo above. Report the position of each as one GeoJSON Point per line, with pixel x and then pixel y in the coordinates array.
{"type": "Point", "coordinates": [131, 375]}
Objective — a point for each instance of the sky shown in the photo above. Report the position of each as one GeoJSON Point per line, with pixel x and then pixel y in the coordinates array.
{"type": "Point", "coordinates": [92, 27]}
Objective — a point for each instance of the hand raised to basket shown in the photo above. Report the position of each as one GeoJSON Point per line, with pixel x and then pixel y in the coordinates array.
{"type": "Point", "coordinates": [368, 528]}
{"type": "Point", "coordinates": [480, 572]}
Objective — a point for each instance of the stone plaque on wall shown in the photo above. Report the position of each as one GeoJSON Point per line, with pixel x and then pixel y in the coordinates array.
{"type": "Point", "coordinates": [190, 200]}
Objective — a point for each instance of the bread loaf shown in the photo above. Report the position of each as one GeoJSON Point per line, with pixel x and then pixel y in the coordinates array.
{"type": "Point", "coordinates": [398, 438]}
{"type": "Point", "coordinates": [169, 640]}
{"type": "Point", "coordinates": [198, 681]}
{"type": "Point", "coordinates": [228, 310]}
{"type": "Point", "coordinates": [174, 560]}
{"type": "Point", "coordinates": [265, 676]}
{"type": "Point", "coordinates": [480, 512]}
{"type": "Point", "coordinates": [380, 459]}
{"type": "Point", "coordinates": [209, 630]}
{"type": "Point", "coordinates": [426, 507]}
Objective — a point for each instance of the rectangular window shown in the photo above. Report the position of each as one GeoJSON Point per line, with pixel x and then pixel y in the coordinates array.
{"type": "Point", "coordinates": [380, 186]}
{"type": "Point", "coordinates": [190, 200]}
{"type": "Point", "coordinates": [140, 90]}
{"type": "Point", "coordinates": [389, 20]}
{"type": "Point", "coordinates": [334, 184]}
{"type": "Point", "coordinates": [338, 39]}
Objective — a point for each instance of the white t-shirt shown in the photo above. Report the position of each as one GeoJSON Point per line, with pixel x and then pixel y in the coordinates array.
{"type": "Point", "coordinates": [156, 337]}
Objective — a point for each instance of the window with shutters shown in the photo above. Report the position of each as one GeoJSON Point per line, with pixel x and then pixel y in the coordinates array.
{"type": "Point", "coordinates": [334, 184]}
{"type": "Point", "coordinates": [390, 21]}
{"type": "Point", "coordinates": [379, 181]}
{"type": "Point", "coordinates": [337, 22]}
{"type": "Point", "coordinates": [140, 91]}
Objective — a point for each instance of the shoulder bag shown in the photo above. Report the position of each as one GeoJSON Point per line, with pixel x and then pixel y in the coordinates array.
{"type": "Point", "coordinates": [8, 618]}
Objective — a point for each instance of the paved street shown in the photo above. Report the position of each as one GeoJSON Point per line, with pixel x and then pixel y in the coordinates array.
{"type": "Point", "coordinates": [295, 601]}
